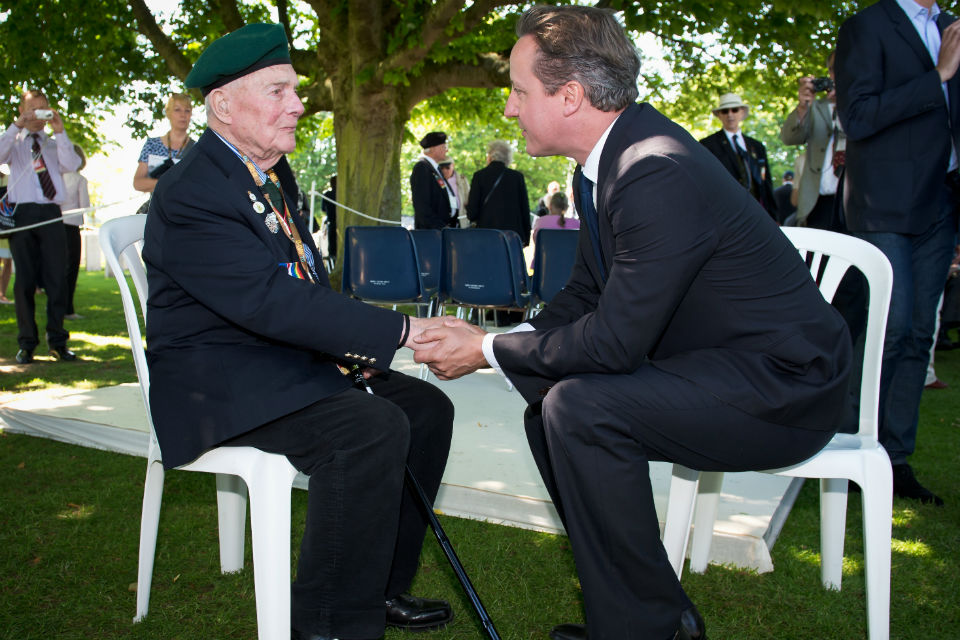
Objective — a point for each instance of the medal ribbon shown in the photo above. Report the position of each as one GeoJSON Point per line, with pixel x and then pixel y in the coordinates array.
{"type": "Point", "coordinates": [285, 219]}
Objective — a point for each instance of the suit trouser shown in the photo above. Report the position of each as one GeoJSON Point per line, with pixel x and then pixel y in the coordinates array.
{"type": "Point", "coordinates": [592, 439]}
{"type": "Point", "coordinates": [39, 253]}
{"type": "Point", "coordinates": [364, 529]}
{"type": "Point", "coordinates": [74, 245]}
{"type": "Point", "coordinates": [920, 265]}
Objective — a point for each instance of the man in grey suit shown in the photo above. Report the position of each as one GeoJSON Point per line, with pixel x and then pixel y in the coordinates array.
{"type": "Point", "coordinates": [898, 97]}
{"type": "Point", "coordinates": [815, 124]}
{"type": "Point", "coordinates": [620, 368]}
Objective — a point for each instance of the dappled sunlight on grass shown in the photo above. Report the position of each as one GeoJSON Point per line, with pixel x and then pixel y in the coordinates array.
{"type": "Point", "coordinates": [912, 548]}
{"type": "Point", "coordinates": [76, 512]}
{"type": "Point", "coordinates": [99, 340]}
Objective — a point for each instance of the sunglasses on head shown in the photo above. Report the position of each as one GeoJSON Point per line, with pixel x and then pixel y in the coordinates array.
{"type": "Point", "coordinates": [729, 110]}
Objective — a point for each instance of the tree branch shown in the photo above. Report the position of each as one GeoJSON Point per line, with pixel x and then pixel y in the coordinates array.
{"type": "Point", "coordinates": [434, 31]}
{"type": "Point", "coordinates": [492, 72]}
{"type": "Point", "coordinates": [176, 62]}
{"type": "Point", "coordinates": [229, 14]}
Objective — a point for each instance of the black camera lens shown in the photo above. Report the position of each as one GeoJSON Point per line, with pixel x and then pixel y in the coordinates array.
{"type": "Point", "coordinates": [822, 84]}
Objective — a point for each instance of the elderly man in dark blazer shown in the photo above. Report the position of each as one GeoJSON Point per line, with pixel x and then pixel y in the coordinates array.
{"type": "Point", "coordinates": [744, 157]}
{"type": "Point", "coordinates": [498, 194]}
{"type": "Point", "coordinates": [434, 202]}
{"type": "Point", "coordinates": [620, 368]}
{"type": "Point", "coordinates": [246, 341]}
{"type": "Point", "coordinates": [898, 97]}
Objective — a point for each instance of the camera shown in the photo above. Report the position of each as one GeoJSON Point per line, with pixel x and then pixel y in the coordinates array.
{"type": "Point", "coordinates": [822, 84]}
{"type": "Point", "coordinates": [160, 169]}
{"type": "Point", "coordinates": [43, 114]}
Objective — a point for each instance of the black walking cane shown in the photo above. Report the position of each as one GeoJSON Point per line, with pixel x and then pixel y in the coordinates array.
{"type": "Point", "coordinates": [441, 535]}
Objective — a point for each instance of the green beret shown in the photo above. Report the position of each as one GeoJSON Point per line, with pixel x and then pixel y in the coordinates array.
{"type": "Point", "coordinates": [248, 49]}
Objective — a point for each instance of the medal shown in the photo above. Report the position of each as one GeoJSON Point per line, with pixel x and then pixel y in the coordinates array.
{"type": "Point", "coordinates": [259, 208]}
{"type": "Point", "coordinates": [270, 220]}
{"type": "Point", "coordinates": [253, 198]}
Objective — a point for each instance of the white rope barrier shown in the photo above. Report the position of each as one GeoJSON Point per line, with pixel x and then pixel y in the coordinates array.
{"type": "Point", "coordinates": [363, 215]}
{"type": "Point", "coordinates": [64, 214]}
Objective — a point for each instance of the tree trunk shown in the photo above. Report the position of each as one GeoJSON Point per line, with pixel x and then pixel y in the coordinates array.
{"type": "Point", "coordinates": [369, 132]}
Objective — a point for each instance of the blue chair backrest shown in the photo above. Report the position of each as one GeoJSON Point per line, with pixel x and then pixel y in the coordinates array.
{"type": "Point", "coordinates": [477, 268]}
{"type": "Point", "coordinates": [380, 265]}
{"type": "Point", "coordinates": [429, 250]}
{"type": "Point", "coordinates": [553, 258]}
{"type": "Point", "coordinates": [521, 280]}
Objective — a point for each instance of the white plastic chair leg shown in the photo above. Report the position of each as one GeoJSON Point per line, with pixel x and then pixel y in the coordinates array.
{"type": "Point", "coordinates": [149, 521]}
{"type": "Point", "coordinates": [269, 511]}
{"type": "Point", "coordinates": [877, 531]}
{"type": "Point", "coordinates": [680, 502]}
{"type": "Point", "coordinates": [708, 503]}
{"type": "Point", "coordinates": [232, 518]}
{"type": "Point", "coordinates": [833, 528]}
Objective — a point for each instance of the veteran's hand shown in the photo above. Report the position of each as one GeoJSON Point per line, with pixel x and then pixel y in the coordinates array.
{"type": "Point", "coordinates": [451, 350]}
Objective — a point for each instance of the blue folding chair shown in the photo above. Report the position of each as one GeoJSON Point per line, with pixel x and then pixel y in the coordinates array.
{"type": "Point", "coordinates": [429, 251]}
{"type": "Point", "coordinates": [380, 265]}
{"type": "Point", "coordinates": [553, 257]}
{"type": "Point", "coordinates": [482, 269]}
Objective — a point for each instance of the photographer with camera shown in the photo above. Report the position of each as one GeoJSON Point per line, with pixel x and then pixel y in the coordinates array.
{"type": "Point", "coordinates": [814, 123]}
{"type": "Point", "coordinates": [159, 154]}
{"type": "Point", "coordinates": [35, 193]}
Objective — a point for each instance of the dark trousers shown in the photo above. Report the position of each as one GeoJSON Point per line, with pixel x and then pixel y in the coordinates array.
{"type": "Point", "coordinates": [39, 253]}
{"type": "Point", "coordinates": [364, 528]}
{"type": "Point", "coordinates": [920, 265]}
{"type": "Point", "coordinates": [592, 437]}
{"type": "Point", "coordinates": [73, 262]}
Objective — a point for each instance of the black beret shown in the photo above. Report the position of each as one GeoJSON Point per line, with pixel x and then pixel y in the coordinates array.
{"type": "Point", "coordinates": [433, 139]}
{"type": "Point", "coordinates": [248, 49]}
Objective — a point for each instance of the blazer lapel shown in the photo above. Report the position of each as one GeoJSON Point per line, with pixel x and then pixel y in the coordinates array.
{"type": "Point", "coordinates": [909, 33]}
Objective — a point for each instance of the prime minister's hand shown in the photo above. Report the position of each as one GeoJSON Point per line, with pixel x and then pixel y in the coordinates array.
{"type": "Point", "coordinates": [451, 350]}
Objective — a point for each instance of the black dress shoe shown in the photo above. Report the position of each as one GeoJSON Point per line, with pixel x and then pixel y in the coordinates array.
{"type": "Point", "coordinates": [906, 485]}
{"type": "Point", "coordinates": [62, 353]}
{"type": "Point", "coordinates": [418, 614]}
{"type": "Point", "coordinates": [296, 634]}
{"type": "Point", "coordinates": [691, 628]}
{"type": "Point", "coordinates": [25, 356]}
{"type": "Point", "coordinates": [568, 632]}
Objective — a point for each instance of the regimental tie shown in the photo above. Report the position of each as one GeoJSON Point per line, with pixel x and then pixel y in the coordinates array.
{"type": "Point", "coordinates": [588, 214]}
{"type": "Point", "coordinates": [272, 192]}
{"type": "Point", "coordinates": [746, 167]}
{"type": "Point", "coordinates": [46, 182]}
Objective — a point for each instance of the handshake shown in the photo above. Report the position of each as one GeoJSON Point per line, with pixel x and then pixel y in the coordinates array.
{"type": "Point", "coordinates": [450, 347]}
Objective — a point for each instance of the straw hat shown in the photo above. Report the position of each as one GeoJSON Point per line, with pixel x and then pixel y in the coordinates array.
{"type": "Point", "coordinates": [730, 101]}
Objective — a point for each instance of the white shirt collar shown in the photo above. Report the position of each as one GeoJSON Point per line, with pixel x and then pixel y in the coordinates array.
{"type": "Point", "coordinates": [591, 168]}
{"type": "Point", "coordinates": [731, 137]}
{"type": "Point", "coordinates": [433, 163]}
{"type": "Point", "coordinates": [917, 12]}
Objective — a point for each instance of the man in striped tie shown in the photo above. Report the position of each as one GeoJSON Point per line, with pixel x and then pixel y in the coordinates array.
{"type": "Point", "coordinates": [38, 240]}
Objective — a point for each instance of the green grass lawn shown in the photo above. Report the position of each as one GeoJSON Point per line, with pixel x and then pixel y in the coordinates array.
{"type": "Point", "coordinates": [69, 527]}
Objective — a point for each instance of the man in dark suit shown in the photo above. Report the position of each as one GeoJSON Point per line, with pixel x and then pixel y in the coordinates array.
{"type": "Point", "coordinates": [498, 194]}
{"type": "Point", "coordinates": [898, 98]}
{"type": "Point", "coordinates": [246, 339]}
{"type": "Point", "coordinates": [620, 368]}
{"type": "Point", "coordinates": [434, 204]}
{"type": "Point", "coordinates": [744, 157]}
{"type": "Point", "coordinates": [781, 196]}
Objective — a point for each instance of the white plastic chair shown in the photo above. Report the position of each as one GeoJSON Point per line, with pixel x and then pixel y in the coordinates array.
{"type": "Point", "coordinates": [268, 477]}
{"type": "Point", "coordinates": [857, 457]}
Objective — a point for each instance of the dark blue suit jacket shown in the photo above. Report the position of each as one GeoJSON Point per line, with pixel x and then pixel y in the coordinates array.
{"type": "Point", "coordinates": [431, 200]}
{"type": "Point", "coordinates": [701, 283]}
{"type": "Point", "coordinates": [233, 341]}
{"type": "Point", "coordinates": [892, 107]}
